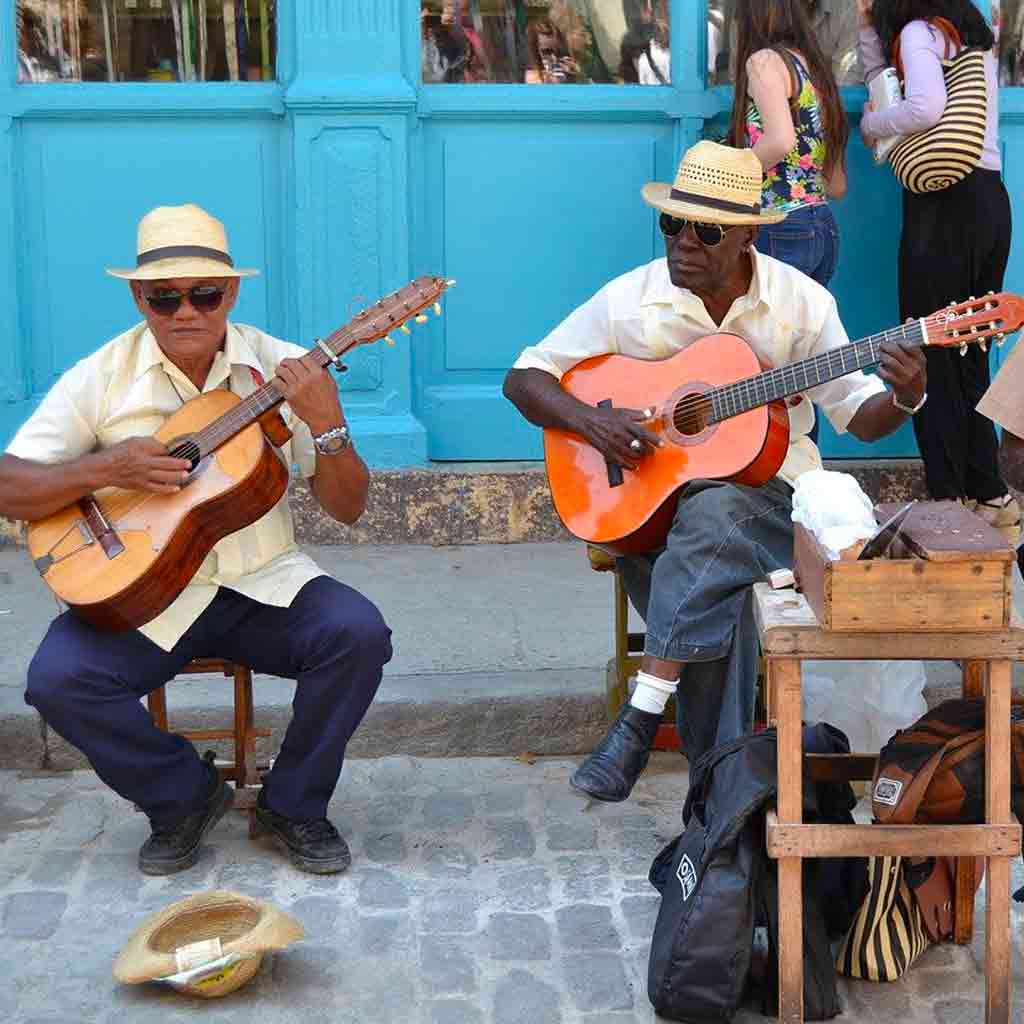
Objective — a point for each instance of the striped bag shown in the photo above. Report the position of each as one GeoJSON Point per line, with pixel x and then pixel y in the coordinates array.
{"type": "Point", "coordinates": [888, 933]}
{"type": "Point", "coordinates": [946, 153]}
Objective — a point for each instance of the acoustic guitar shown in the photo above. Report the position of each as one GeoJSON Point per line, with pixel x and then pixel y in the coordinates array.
{"type": "Point", "coordinates": [720, 416]}
{"type": "Point", "coordinates": [120, 557]}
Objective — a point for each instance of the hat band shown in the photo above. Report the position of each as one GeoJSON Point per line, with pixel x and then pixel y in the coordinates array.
{"type": "Point", "coordinates": [715, 204]}
{"type": "Point", "coordinates": [177, 251]}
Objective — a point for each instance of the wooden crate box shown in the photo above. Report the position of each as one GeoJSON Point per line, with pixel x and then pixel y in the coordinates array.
{"type": "Point", "coordinates": [955, 575]}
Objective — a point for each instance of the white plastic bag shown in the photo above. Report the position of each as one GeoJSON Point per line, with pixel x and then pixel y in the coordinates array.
{"type": "Point", "coordinates": [834, 508]}
{"type": "Point", "coordinates": [867, 700]}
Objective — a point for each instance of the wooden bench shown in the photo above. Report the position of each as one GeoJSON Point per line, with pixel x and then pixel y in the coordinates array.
{"type": "Point", "coordinates": [243, 769]}
{"type": "Point", "coordinates": [790, 634]}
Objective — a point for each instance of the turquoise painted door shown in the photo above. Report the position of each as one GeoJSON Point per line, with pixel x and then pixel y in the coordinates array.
{"type": "Point", "coordinates": [530, 198]}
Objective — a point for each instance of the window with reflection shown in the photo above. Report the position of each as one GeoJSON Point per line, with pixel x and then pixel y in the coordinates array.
{"type": "Point", "coordinates": [546, 42]}
{"type": "Point", "coordinates": [835, 22]}
{"type": "Point", "coordinates": [146, 40]}
{"type": "Point", "coordinates": [1008, 22]}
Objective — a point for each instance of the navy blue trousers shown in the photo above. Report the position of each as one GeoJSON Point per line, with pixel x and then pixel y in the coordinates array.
{"type": "Point", "coordinates": [331, 640]}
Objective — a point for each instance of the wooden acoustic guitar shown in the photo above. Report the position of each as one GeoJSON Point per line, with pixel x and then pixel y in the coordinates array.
{"type": "Point", "coordinates": [719, 414]}
{"type": "Point", "coordinates": [120, 557]}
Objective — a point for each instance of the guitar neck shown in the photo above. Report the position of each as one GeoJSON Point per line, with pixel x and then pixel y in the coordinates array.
{"type": "Point", "coordinates": [775, 385]}
{"type": "Point", "coordinates": [260, 402]}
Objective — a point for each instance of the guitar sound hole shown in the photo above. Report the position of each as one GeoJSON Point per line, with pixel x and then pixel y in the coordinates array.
{"type": "Point", "coordinates": [692, 415]}
{"type": "Point", "coordinates": [186, 449]}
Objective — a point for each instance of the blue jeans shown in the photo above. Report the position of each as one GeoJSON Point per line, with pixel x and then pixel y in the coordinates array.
{"type": "Point", "coordinates": [807, 239]}
{"type": "Point", "coordinates": [696, 599]}
{"type": "Point", "coordinates": [331, 640]}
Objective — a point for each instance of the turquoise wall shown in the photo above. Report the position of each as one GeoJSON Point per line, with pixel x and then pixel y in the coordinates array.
{"type": "Point", "coordinates": [346, 178]}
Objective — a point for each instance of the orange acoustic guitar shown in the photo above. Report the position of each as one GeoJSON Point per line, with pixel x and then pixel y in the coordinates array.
{"type": "Point", "coordinates": [719, 415]}
{"type": "Point", "coordinates": [120, 557]}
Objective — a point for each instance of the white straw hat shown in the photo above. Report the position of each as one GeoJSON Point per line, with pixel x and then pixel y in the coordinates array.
{"type": "Point", "coordinates": [181, 241]}
{"type": "Point", "coordinates": [716, 184]}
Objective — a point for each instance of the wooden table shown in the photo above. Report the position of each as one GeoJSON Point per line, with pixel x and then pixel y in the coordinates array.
{"type": "Point", "coordinates": [789, 635]}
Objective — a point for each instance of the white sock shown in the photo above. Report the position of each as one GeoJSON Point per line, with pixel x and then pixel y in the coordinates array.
{"type": "Point", "coordinates": [651, 693]}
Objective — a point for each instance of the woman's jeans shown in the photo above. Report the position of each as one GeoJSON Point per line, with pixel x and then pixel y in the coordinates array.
{"type": "Point", "coordinates": [807, 239]}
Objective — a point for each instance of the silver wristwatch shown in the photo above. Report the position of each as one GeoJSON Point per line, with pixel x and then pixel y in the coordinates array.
{"type": "Point", "coordinates": [333, 441]}
{"type": "Point", "coordinates": [908, 409]}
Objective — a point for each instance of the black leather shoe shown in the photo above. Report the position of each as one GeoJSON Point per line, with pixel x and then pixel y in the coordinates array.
{"type": "Point", "coordinates": [610, 772]}
{"type": "Point", "coordinates": [175, 847]}
{"type": "Point", "coordinates": [313, 846]}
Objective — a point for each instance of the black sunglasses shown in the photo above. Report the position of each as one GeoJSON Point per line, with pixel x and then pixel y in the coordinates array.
{"type": "Point", "coordinates": [708, 235]}
{"type": "Point", "coordinates": [204, 298]}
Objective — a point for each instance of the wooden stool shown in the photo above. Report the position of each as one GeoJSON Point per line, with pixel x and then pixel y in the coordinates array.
{"type": "Point", "coordinates": [789, 635]}
{"type": "Point", "coordinates": [243, 769]}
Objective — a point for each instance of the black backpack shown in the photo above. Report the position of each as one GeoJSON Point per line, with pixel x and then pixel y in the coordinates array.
{"type": "Point", "coordinates": [718, 884]}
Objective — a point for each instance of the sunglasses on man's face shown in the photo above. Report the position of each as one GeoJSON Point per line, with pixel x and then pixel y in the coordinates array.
{"type": "Point", "coordinates": [708, 235]}
{"type": "Point", "coordinates": [204, 298]}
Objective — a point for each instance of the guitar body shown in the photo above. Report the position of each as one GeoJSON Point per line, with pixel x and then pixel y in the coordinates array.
{"type": "Point", "coordinates": [635, 516]}
{"type": "Point", "coordinates": [165, 537]}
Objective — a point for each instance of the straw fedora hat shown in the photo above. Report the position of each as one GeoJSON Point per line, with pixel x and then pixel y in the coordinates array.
{"type": "Point", "coordinates": [181, 241]}
{"type": "Point", "coordinates": [207, 945]}
{"type": "Point", "coordinates": [716, 184]}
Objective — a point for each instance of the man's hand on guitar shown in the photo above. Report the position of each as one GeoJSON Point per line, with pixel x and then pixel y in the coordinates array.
{"type": "Point", "coordinates": [903, 368]}
{"type": "Point", "coordinates": [311, 392]}
{"type": "Point", "coordinates": [142, 464]}
{"type": "Point", "coordinates": [618, 435]}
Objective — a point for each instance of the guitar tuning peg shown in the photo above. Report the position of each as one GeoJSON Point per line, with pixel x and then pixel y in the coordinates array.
{"type": "Point", "coordinates": [984, 345]}
{"type": "Point", "coordinates": [437, 308]}
{"type": "Point", "coordinates": [971, 298]}
{"type": "Point", "coordinates": [421, 319]}
{"type": "Point", "coordinates": [389, 339]}
{"type": "Point", "coordinates": [404, 329]}
{"type": "Point", "coordinates": [963, 349]}
{"type": "Point", "coordinates": [1000, 340]}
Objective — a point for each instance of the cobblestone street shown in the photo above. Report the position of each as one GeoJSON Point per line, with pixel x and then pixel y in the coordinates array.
{"type": "Point", "coordinates": [481, 890]}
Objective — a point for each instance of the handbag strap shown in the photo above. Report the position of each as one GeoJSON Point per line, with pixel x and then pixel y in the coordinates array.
{"type": "Point", "coordinates": [950, 35]}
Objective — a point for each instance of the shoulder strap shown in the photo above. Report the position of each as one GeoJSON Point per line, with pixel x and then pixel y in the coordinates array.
{"type": "Point", "coordinates": [950, 35]}
{"type": "Point", "coordinates": [794, 81]}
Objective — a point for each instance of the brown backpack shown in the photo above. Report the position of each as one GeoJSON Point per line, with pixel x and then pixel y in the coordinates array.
{"type": "Point", "coordinates": [933, 773]}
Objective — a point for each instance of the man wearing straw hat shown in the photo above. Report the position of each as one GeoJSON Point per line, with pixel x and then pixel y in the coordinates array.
{"type": "Point", "coordinates": [695, 594]}
{"type": "Point", "coordinates": [256, 599]}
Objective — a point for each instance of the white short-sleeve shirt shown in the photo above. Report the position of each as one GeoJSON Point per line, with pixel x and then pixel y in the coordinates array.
{"type": "Point", "coordinates": [785, 317]}
{"type": "Point", "coordinates": [128, 388]}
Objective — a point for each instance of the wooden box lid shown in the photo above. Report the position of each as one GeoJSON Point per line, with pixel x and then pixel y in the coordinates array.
{"type": "Point", "coordinates": [946, 531]}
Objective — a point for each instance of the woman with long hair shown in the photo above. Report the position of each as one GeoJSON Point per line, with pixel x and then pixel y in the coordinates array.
{"type": "Point", "coordinates": [787, 109]}
{"type": "Point", "coordinates": [955, 242]}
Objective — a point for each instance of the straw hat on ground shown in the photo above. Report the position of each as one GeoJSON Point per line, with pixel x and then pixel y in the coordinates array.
{"type": "Point", "coordinates": [181, 241]}
{"type": "Point", "coordinates": [715, 184]}
{"type": "Point", "coordinates": [207, 945]}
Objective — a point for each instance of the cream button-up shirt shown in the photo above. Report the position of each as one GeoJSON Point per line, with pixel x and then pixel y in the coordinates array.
{"type": "Point", "coordinates": [784, 317]}
{"type": "Point", "coordinates": [128, 388]}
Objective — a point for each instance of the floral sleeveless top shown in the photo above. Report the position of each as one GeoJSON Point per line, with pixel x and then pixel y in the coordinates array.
{"type": "Point", "coordinates": [798, 179]}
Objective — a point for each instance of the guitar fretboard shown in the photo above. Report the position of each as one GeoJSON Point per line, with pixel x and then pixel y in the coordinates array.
{"type": "Point", "coordinates": [774, 385]}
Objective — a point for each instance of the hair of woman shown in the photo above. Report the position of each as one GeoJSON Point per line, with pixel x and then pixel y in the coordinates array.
{"type": "Point", "coordinates": [769, 24]}
{"type": "Point", "coordinates": [891, 16]}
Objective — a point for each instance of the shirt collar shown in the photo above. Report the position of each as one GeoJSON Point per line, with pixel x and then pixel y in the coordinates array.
{"type": "Point", "coordinates": [236, 352]}
{"type": "Point", "coordinates": [660, 291]}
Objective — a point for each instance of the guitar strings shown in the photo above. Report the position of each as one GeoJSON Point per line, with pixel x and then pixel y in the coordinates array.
{"type": "Point", "coordinates": [689, 415]}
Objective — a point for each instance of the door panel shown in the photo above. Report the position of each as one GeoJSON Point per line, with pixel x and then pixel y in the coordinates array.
{"type": "Point", "coordinates": [532, 219]}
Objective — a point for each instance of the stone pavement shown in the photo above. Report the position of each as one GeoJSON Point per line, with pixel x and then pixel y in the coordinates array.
{"type": "Point", "coordinates": [482, 890]}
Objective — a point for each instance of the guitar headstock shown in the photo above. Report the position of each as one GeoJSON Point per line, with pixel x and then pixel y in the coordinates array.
{"type": "Point", "coordinates": [391, 313]}
{"type": "Point", "coordinates": [977, 320]}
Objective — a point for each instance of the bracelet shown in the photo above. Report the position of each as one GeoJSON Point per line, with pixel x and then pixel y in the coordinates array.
{"type": "Point", "coordinates": [909, 410]}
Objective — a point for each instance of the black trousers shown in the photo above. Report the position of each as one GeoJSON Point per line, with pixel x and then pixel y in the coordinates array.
{"type": "Point", "coordinates": [955, 244]}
